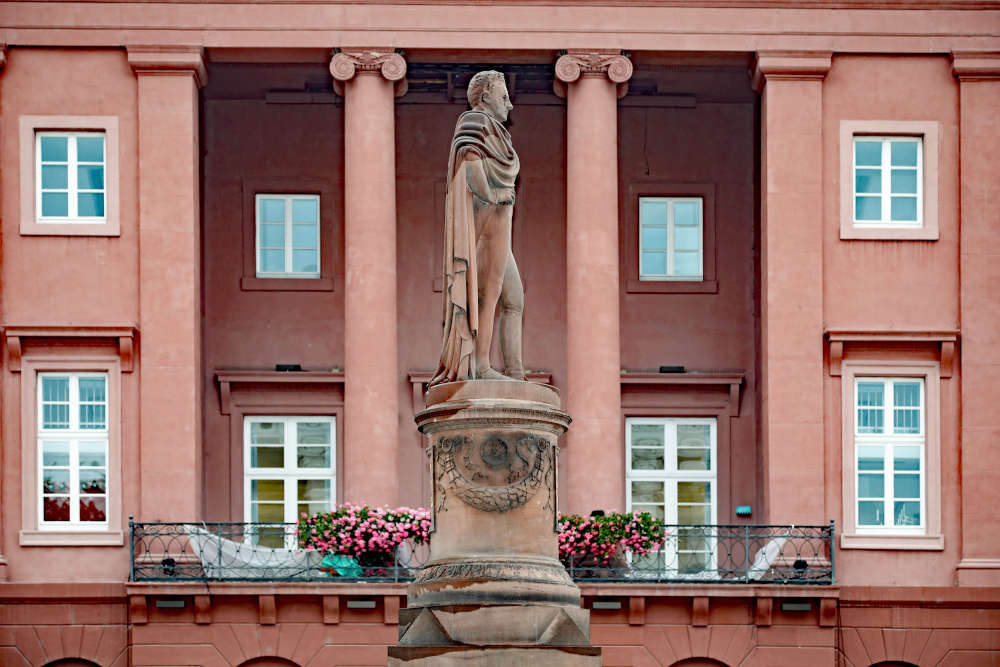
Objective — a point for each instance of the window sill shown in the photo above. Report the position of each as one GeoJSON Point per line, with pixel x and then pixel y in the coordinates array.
{"type": "Point", "coordinates": [254, 284]}
{"type": "Point", "coordinates": [672, 286]}
{"type": "Point", "coordinates": [35, 228]}
{"type": "Point", "coordinates": [900, 542]}
{"type": "Point", "coordinates": [71, 538]}
{"type": "Point", "coordinates": [848, 233]}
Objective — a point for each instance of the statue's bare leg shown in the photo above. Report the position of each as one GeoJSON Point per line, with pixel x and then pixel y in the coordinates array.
{"type": "Point", "coordinates": [492, 252]}
{"type": "Point", "coordinates": [511, 308]}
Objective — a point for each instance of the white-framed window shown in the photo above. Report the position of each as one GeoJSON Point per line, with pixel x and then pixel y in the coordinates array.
{"type": "Point", "coordinates": [670, 238]}
{"type": "Point", "coordinates": [73, 438]}
{"type": "Point", "coordinates": [70, 173]}
{"type": "Point", "coordinates": [890, 455]}
{"type": "Point", "coordinates": [287, 236]}
{"type": "Point", "coordinates": [888, 181]}
{"type": "Point", "coordinates": [672, 474]}
{"type": "Point", "coordinates": [290, 468]}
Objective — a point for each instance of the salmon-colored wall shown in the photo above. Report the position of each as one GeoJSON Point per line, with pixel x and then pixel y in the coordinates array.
{"type": "Point", "coordinates": [64, 281]}
{"type": "Point", "coordinates": [901, 285]}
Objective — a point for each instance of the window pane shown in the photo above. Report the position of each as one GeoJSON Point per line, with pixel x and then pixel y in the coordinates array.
{"type": "Point", "coordinates": [55, 176]}
{"type": "Point", "coordinates": [90, 204]}
{"type": "Point", "coordinates": [93, 481]}
{"type": "Point", "coordinates": [871, 486]}
{"type": "Point", "coordinates": [867, 208]}
{"type": "Point", "coordinates": [314, 457]}
{"type": "Point", "coordinates": [903, 209]}
{"type": "Point", "coordinates": [267, 433]}
{"type": "Point", "coordinates": [267, 457]}
{"type": "Point", "coordinates": [647, 492]}
{"type": "Point", "coordinates": [906, 458]}
{"type": "Point", "coordinates": [92, 454]}
{"type": "Point", "coordinates": [55, 416]}
{"type": "Point", "coordinates": [871, 457]}
{"type": "Point", "coordinates": [687, 264]}
{"type": "Point", "coordinates": [55, 481]}
{"type": "Point", "coordinates": [305, 210]}
{"type": "Point", "coordinates": [647, 435]}
{"type": "Point", "coordinates": [694, 515]}
{"type": "Point", "coordinates": [272, 236]}
{"type": "Point", "coordinates": [268, 513]}
{"type": "Point", "coordinates": [90, 177]}
{"type": "Point", "coordinates": [687, 212]}
{"type": "Point", "coordinates": [693, 492]}
{"type": "Point", "coordinates": [871, 513]}
{"type": "Point", "coordinates": [90, 149]}
{"type": "Point", "coordinates": [687, 238]}
{"type": "Point", "coordinates": [907, 513]}
{"type": "Point", "coordinates": [272, 210]}
{"type": "Point", "coordinates": [55, 389]}
{"type": "Point", "coordinates": [867, 153]}
{"type": "Point", "coordinates": [693, 435]}
{"type": "Point", "coordinates": [906, 394]}
{"type": "Point", "coordinates": [304, 236]}
{"type": "Point", "coordinates": [55, 453]}
{"type": "Point", "coordinates": [93, 508]}
{"type": "Point", "coordinates": [92, 390]}
{"type": "Point", "coordinates": [904, 181]}
{"type": "Point", "coordinates": [906, 486]}
{"type": "Point", "coordinates": [55, 204]}
{"type": "Point", "coordinates": [692, 562]}
{"type": "Point", "coordinates": [93, 416]}
{"type": "Point", "coordinates": [647, 459]}
{"type": "Point", "coordinates": [267, 489]}
{"type": "Point", "coordinates": [272, 261]}
{"type": "Point", "coordinates": [906, 420]}
{"type": "Point", "coordinates": [54, 149]}
{"type": "Point", "coordinates": [693, 459]}
{"type": "Point", "coordinates": [55, 508]}
{"type": "Point", "coordinates": [654, 264]}
{"type": "Point", "coordinates": [904, 153]}
{"type": "Point", "coordinates": [314, 433]}
{"type": "Point", "coordinates": [304, 261]}
{"type": "Point", "coordinates": [868, 181]}
{"type": "Point", "coordinates": [654, 238]}
{"type": "Point", "coordinates": [314, 489]}
{"type": "Point", "coordinates": [652, 212]}
{"type": "Point", "coordinates": [871, 395]}
{"type": "Point", "coordinates": [312, 508]}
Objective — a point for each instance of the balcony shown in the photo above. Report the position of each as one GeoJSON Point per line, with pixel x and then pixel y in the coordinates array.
{"type": "Point", "coordinates": [259, 552]}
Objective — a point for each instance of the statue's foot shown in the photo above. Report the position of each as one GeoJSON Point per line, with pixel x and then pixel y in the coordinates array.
{"type": "Point", "coordinates": [489, 373]}
{"type": "Point", "coordinates": [515, 373]}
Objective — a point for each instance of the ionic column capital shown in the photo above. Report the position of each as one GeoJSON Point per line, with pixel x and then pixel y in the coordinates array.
{"type": "Point", "coordinates": [799, 65]}
{"type": "Point", "coordinates": [169, 60]}
{"type": "Point", "coordinates": [976, 65]}
{"type": "Point", "coordinates": [372, 61]}
{"type": "Point", "coordinates": [576, 63]}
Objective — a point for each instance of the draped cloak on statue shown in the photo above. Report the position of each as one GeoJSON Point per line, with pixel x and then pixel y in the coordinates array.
{"type": "Point", "coordinates": [482, 135]}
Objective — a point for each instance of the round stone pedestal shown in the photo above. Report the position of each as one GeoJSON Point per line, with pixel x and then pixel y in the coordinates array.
{"type": "Point", "coordinates": [493, 587]}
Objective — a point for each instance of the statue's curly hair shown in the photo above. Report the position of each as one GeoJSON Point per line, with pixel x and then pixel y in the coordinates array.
{"type": "Point", "coordinates": [480, 82]}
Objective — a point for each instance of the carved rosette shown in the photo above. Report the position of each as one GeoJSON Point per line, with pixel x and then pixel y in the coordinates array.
{"type": "Point", "coordinates": [348, 63]}
{"type": "Point", "coordinates": [572, 65]}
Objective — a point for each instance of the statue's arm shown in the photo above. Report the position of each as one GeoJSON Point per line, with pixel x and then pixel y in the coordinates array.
{"type": "Point", "coordinates": [479, 184]}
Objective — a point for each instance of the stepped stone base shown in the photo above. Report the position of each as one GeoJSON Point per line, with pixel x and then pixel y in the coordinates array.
{"type": "Point", "coordinates": [497, 656]}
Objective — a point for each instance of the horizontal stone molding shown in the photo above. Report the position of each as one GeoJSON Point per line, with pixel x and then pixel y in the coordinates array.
{"type": "Point", "coordinates": [794, 65]}
{"type": "Point", "coordinates": [976, 65]}
{"type": "Point", "coordinates": [169, 60]}
{"type": "Point", "coordinates": [15, 337]}
{"type": "Point", "coordinates": [946, 340]}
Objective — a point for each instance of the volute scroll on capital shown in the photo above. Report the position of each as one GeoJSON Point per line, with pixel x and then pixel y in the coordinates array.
{"type": "Point", "coordinates": [345, 64]}
{"type": "Point", "coordinates": [572, 65]}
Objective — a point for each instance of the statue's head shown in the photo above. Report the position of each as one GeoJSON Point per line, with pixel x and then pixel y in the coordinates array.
{"type": "Point", "coordinates": [488, 93]}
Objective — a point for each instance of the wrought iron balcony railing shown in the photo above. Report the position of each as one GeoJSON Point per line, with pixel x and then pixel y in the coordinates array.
{"type": "Point", "coordinates": [730, 554]}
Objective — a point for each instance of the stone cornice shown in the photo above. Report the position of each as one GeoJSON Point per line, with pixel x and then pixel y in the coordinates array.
{"type": "Point", "coordinates": [346, 63]}
{"type": "Point", "coordinates": [800, 65]}
{"type": "Point", "coordinates": [576, 63]}
{"type": "Point", "coordinates": [976, 65]}
{"type": "Point", "coordinates": [169, 60]}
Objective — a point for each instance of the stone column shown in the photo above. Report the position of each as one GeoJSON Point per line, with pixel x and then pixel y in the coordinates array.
{"type": "Point", "coordinates": [368, 79]}
{"type": "Point", "coordinates": [592, 82]}
{"type": "Point", "coordinates": [791, 87]}
{"type": "Point", "coordinates": [170, 377]}
{"type": "Point", "coordinates": [3, 559]}
{"type": "Point", "coordinates": [979, 98]}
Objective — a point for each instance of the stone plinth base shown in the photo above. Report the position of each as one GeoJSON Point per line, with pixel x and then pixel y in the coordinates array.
{"type": "Point", "coordinates": [497, 656]}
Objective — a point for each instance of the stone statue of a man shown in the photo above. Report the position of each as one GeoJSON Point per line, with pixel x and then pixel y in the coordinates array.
{"type": "Point", "coordinates": [479, 268]}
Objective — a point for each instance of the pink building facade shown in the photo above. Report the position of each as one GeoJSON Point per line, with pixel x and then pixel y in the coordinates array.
{"type": "Point", "coordinates": [760, 264]}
